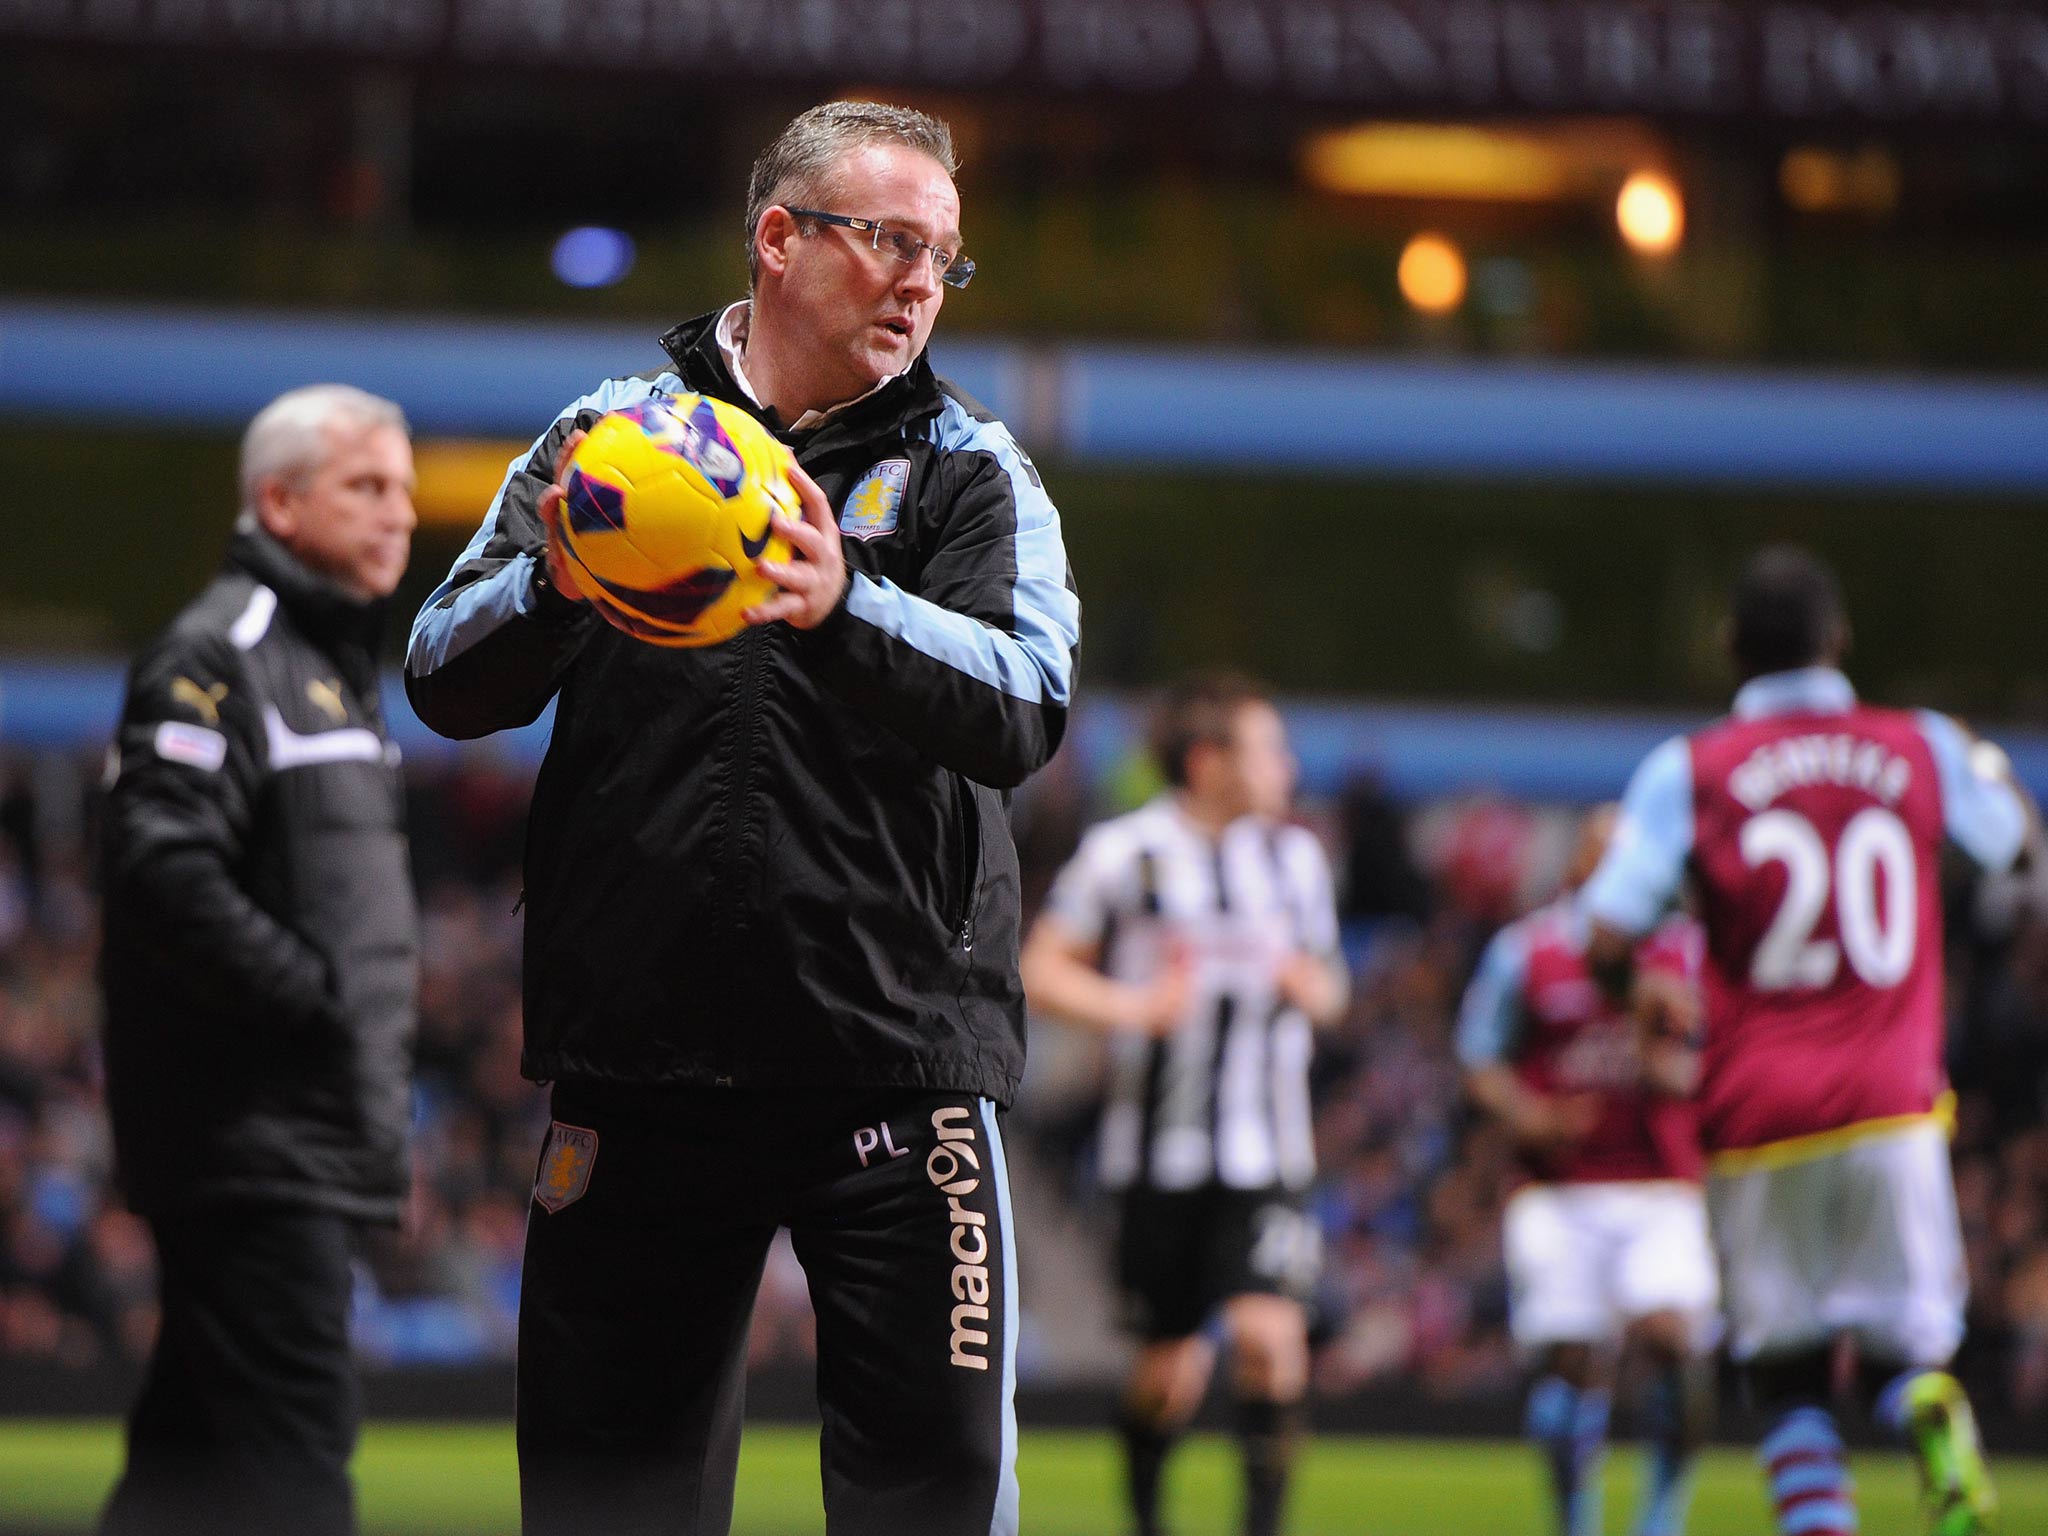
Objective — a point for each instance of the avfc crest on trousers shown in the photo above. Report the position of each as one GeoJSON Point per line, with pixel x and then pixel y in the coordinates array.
{"type": "Point", "coordinates": [876, 501]}
{"type": "Point", "coordinates": [565, 1164]}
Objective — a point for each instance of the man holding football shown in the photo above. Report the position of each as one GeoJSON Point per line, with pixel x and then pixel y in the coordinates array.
{"type": "Point", "coordinates": [1810, 826]}
{"type": "Point", "coordinates": [771, 893]}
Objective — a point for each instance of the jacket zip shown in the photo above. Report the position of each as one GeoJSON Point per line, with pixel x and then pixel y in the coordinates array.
{"type": "Point", "coordinates": [967, 818]}
{"type": "Point", "coordinates": [745, 729]}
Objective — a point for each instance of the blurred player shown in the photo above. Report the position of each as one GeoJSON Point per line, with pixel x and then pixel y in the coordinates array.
{"type": "Point", "coordinates": [1812, 827]}
{"type": "Point", "coordinates": [1200, 933]}
{"type": "Point", "coordinates": [1608, 1242]}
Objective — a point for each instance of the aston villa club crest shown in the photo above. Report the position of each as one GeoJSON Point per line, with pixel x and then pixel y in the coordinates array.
{"type": "Point", "coordinates": [565, 1164]}
{"type": "Point", "coordinates": [876, 501]}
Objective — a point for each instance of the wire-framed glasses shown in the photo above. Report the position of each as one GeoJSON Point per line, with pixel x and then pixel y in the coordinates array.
{"type": "Point", "coordinates": [950, 267]}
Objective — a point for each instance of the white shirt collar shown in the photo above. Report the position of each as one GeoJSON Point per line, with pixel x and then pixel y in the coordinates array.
{"type": "Point", "coordinates": [732, 343]}
{"type": "Point", "coordinates": [1802, 691]}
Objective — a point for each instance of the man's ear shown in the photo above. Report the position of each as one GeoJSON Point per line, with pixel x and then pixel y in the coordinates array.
{"type": "Point", "coordinates": [772, 237]}
{"type": "Point", "coordinates": [277, 510]}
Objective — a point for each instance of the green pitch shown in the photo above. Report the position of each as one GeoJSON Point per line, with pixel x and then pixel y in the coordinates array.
{"type": "Point", "coordinates": [458, 1480]}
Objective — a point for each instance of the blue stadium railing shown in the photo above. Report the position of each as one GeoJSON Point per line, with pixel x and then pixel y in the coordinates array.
{"type": "Point", "coordinates": [1418, 751]}
{"type": "Point", "coordinates": [1324, 413]}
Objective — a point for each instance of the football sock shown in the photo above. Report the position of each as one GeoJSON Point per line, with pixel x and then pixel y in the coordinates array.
{"type": "Point", "coordinates": [1930, 1412]}
{"type": "Point", "coordinates": [1570, 1427]}
{"type": "Point", "coordinates": [1145, 1449]}
{"type": "Point", "coordinates": [1806, 1463]}
{"type": "Point", "coordinates": [1674, 1408]}
{"type": "Point", "coordinates": [1267, 1433]}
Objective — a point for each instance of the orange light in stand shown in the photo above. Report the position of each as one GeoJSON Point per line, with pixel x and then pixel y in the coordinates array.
{"type": "Point", "coordinates": [1483, 164]}
{"type": "Point", "coordinates": [457, 476]}
{"type": "Point", "coordinates": [1432, 274]}
{"type": "Point", "coordinates": [1816, 180]}
{"type": "Point", "coordinates": [1651, 213]}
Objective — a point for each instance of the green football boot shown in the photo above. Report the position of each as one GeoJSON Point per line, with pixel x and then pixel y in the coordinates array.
{"type": "Point", "coordinates": [1943, 1432]}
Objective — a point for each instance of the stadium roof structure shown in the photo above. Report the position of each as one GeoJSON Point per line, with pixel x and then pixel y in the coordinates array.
{"type": "Point", "coordinates": [1908, 61]}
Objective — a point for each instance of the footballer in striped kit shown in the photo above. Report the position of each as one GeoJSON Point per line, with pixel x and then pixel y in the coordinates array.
{"type": "Point", "coordinates": [1200, 934]}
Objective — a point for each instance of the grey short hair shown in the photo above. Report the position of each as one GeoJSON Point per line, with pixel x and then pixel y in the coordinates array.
{"type": "Point", "coordinates": [289, 437]}
{"type": "Point", "coordinates": [798, 166]}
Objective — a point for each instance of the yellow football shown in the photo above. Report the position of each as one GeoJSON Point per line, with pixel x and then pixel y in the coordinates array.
{"type": "Point", "coordinates": [667, 513]}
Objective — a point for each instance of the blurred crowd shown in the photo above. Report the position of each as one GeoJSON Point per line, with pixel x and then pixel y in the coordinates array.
{"type": "Point", "coordinates": [1411, 1189]}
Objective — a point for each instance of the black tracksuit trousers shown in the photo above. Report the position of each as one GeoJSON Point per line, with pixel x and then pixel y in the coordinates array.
{"type": "Point", "coordinates": [653, 1213]}
{"type": "Point", "coordinates": [249, 1411]}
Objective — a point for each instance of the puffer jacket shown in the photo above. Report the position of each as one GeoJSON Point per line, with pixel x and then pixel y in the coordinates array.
{"type": "Point", "coordinates": [260, 949]}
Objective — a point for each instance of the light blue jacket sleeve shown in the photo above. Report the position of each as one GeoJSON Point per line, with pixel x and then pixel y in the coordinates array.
{"type": "Point", "coordinates": [1980, 810]}
{"type": "Point", "coordinates": [1645, 862]}
{"type": "Point", "coordinates": [1490, 1018]}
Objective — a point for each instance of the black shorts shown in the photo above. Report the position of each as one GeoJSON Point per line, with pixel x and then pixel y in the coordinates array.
{"type": "Point", "coordinates": [653, 1211]}
{"type": "Point", "coordinates": [1182, 1253]}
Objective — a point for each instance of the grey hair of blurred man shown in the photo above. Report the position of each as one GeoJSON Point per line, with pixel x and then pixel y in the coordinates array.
{"type": "Point", "coordinates": [798, 166]}
{"type": "Point", "coordinates": [294, 434]}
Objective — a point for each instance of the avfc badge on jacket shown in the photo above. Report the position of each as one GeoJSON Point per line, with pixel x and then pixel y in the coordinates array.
{"type": "Point", "coordinates": [876, 501]}
{"type": "Point", "coordinates": [565, 1164]}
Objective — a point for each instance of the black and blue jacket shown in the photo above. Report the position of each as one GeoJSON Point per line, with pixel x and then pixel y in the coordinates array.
{"type": "Point", "coordinates": [785, 860]}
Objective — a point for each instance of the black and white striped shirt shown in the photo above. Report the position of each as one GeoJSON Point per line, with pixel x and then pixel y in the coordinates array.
{"type": "Point", "coordinates": [1224, 1098]}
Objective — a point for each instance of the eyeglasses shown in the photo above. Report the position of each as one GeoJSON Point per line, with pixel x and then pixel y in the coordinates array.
{"type": "Point", "coordinates": [950, 267]}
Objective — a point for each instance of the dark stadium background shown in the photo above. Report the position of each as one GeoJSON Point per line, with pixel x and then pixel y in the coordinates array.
{"type": "Point", "coordinates": [1480, 551]}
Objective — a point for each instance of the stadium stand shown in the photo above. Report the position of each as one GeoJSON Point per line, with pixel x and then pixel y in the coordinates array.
{"type": "Point", "coordinates": [1410, 1191]}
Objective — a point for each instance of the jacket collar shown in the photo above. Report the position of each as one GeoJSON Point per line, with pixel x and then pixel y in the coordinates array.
{"type": "Point", "coordinates": [345, 626]}
{"type": "Point", "coordinates": [911, 396]}
{"type": "Point", "coordinates": [731, 331]}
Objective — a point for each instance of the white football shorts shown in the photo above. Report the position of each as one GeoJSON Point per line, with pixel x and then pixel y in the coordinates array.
{"type": "Point", "coordinates": [1586, 1260]}
{"type": "Point", "coordinates": [1863, 1240]}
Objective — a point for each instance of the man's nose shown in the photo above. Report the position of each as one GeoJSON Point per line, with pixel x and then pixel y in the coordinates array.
{"type": "Point", "coordinates": [920, 275]}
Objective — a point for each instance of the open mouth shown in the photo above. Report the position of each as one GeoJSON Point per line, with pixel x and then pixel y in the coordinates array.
{"type": "Point", "coordinates": [896, 327]}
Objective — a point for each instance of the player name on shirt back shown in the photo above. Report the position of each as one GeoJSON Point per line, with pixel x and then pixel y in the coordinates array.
{"type": "Point", "coordinates": [1833, 757]}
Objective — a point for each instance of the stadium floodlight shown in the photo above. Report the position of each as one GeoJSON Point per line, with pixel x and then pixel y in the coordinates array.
{"type": "Point", "coordinates": [1432, 274]}
{"type": "Point", "coordinates": [1651, 213]}
{"type": "Point", "coordinates": [592, 256]}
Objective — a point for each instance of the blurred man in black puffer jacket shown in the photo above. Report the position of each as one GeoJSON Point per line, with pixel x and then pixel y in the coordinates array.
{"type": "Point", "coordinates": [260, 974]}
